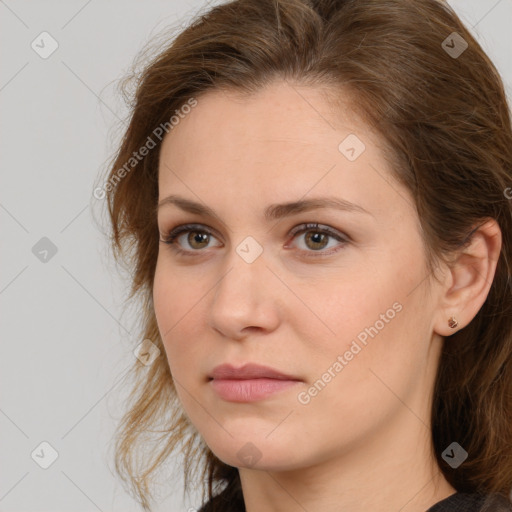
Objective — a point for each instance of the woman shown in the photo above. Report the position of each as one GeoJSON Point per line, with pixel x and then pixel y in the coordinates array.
{"type": "Point", "coordinates": [314, 199]}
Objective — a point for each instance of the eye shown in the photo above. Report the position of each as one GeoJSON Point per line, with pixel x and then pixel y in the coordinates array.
{"type": "Point", "coordinates": [317, 238]}
{"type": "Point", "coordinates": [198, 237]}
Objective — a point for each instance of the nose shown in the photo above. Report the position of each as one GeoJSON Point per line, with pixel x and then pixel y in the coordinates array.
{"type": "Point", "coordinates": [247, 298]}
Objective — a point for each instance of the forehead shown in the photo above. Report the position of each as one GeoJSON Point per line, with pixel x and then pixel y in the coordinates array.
{"type": "Point", "coordinates": [283, 122]}
{"type": "Point", "coordinates": [279, 112]}
{"type": "Point", "coordinates": [281, 143]}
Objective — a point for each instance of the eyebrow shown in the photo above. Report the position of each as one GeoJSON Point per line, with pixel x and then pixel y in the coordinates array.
{"type": "Point", "coordinates": [273, 211]}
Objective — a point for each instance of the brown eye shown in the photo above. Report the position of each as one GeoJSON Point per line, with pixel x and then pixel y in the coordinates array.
{"type": "Point", "coordinates": [188, 238]}
{"type": "Point", "coordinates": [200, 238]}
{"type": "Point", "coordinates": [191, 239]}
{"type": "Point", "coordinates": [316, 240]}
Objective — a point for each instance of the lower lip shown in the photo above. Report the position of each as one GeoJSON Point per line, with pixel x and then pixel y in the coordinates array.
{"type": "Point", "coordinates": [249, 390]}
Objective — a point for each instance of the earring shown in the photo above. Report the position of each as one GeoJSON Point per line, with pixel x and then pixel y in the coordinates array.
{"type": "Point", "coordinates": [452, 322]}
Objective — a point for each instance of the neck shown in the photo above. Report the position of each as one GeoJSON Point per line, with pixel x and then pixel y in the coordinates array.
{"type": "Point", "coordinates": [395, 473]}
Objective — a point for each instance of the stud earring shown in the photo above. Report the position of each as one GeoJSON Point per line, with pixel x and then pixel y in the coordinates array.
{"type": "Point", "coordinates": [452, 322]}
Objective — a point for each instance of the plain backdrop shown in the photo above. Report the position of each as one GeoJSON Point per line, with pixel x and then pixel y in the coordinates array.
{"type": "Point", "coordinates": [66, 342]}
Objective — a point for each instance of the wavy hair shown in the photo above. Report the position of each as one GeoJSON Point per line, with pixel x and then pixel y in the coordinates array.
{"type": "Point", "coordinates": [446, 122]}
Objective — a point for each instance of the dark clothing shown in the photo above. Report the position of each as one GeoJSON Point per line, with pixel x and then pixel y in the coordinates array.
{"type": "Point", "coordinates": [463, 502]}
{"type": "Point", "coordinates": [458, 502]}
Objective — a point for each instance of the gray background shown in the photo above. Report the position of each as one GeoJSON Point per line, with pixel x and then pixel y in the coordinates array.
{"type": "Point", "coordinates": [66, 340]}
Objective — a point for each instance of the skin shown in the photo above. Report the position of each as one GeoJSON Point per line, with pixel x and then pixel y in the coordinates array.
{"type": "Point", "coordinates": [364, 441]}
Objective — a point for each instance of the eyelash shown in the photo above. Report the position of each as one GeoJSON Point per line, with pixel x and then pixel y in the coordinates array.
{"type": "Point", "coordinates": [170, 238]}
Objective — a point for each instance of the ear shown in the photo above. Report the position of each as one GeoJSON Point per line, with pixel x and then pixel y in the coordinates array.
{"type": "Point", "coordinates": [468, 279]}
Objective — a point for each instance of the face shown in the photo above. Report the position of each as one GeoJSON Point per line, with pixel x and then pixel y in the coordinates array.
{"type": "Point", "coordinates": [339, 306]}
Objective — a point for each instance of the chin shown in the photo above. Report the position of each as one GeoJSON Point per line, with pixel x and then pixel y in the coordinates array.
{"type": "Point", "coordinates": [251, 452]}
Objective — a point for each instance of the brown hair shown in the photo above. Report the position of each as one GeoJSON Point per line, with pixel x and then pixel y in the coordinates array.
{"type": "Point", "coordinates": [447, 121]}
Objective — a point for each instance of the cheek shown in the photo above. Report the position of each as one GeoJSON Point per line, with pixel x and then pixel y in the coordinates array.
{"type": "Point", "coordinates": [164, 299]}
{"type": "Point", "coordinates": [175, 295]}
{"type": "Point", "coordinates": [370, 319]}
{"type": "Point", "coordinates": [340, 311]}
{"type": "Point", "coordinates": [173, 303]}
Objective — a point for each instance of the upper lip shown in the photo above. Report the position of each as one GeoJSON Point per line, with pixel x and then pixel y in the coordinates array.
{"type": "Point", "coordinates": [248, 371]}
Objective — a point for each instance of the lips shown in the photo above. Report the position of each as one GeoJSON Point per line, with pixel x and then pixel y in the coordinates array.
{"type": "Point", "coordinates": [248, 371]}
{"type": "Point", "coordinates": [249, 383]}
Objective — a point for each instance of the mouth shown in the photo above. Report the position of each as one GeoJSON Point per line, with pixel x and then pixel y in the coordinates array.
{"type": "Point", "coordinates": [249, 390]}
{"type": "Point", "coordinates": [249, 383]}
